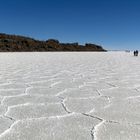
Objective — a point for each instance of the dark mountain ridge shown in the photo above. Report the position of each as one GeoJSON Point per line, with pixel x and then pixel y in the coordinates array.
{"type": "Point", "coordinates": [16, 43]}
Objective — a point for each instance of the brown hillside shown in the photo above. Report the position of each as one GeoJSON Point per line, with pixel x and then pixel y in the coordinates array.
{"type": "Point", "coordinates": [15, 43]}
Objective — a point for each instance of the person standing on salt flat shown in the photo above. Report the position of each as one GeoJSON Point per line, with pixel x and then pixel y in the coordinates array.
{"type": "Point", "coordinates": [136, 53]}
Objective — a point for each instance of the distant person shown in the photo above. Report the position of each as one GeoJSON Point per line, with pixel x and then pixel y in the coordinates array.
{"type": "Point", "coordinates": [137, 52]}
{"type": "Point", "coordinates": [134, 53]}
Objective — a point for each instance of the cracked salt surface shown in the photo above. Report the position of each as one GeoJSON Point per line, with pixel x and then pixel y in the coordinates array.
{"type": "Point", "coordinates": [74, 126]}
{"type": "Point", "coordinates": [11, 92]}
{"type": "Point", "coordinates": [86, 105]}
{"type": "Point", "coordinates": [69, 96]}
{"type": "Point", "coordinates": [5, 123]}
{"type": "Point", "coordinates": [24, 99]}
{"type": "Point", "coordinates": [25, 111]}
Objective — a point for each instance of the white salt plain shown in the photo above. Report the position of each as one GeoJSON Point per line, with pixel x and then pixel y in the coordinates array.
{"type": "Point", "coordinates": [69, 96]}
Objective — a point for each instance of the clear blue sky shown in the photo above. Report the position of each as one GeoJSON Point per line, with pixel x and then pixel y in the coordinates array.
{"type": "Point", "coordinates": [114, 24]}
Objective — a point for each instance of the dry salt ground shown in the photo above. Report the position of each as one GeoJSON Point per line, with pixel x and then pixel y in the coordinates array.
{"type": "Point", "coordinates": [69, 96]}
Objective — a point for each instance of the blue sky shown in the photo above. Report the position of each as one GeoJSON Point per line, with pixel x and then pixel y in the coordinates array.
{"type": "Point", "coordinates": [114, 24]}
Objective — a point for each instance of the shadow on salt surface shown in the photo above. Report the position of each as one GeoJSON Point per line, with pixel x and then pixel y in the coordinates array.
{"type": "Point", "coordinates": [72, 127]}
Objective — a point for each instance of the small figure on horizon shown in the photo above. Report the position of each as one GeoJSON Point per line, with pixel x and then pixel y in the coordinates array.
{"type": "Point", "coordinates": [136, 53]}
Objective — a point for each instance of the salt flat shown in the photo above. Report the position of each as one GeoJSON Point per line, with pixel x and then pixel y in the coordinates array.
{"type": "Point", "coordinates": [69, 96]}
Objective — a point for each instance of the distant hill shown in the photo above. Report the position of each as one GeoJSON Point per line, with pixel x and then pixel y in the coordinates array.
{"type": "Point", "coordinates": [16, 43]}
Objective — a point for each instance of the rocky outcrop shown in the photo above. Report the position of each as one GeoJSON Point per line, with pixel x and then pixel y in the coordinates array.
{"type": "Point", "coordinates": [14, 43]}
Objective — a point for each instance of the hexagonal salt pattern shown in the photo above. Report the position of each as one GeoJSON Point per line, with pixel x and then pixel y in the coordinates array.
{"type": "Point", "coordinates": [69, 96]}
